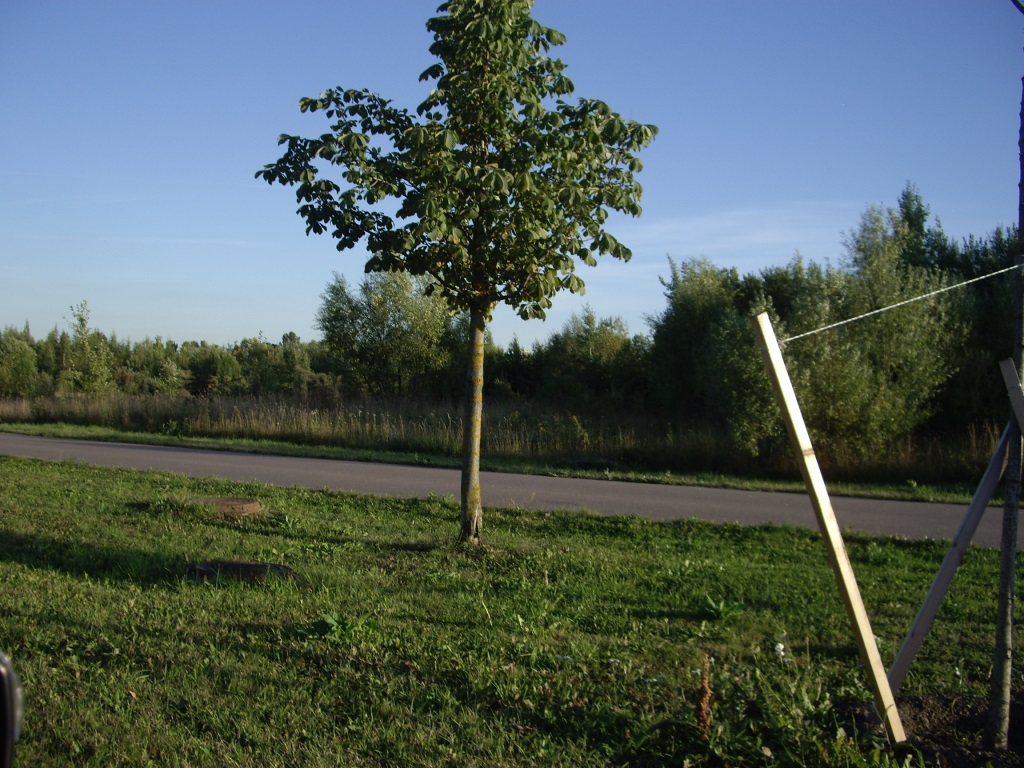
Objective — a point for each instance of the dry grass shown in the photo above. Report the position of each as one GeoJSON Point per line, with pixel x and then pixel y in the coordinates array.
{"type": "Point", "coordinates": [515, 432]}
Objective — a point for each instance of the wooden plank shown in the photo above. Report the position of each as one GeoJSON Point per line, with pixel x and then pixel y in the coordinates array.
{"type": "Point", "coordinates": [926, 616]}
{"type": "Point", "coordinates": [848, 589]}
{"type": "Point", "coordinates": [1012, 382]}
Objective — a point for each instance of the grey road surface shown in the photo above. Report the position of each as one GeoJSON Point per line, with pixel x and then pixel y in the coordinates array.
{"type": "Point", "coordinates": [659, 502]}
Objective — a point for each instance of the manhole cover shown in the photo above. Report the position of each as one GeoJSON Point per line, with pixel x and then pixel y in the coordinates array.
{"type": "Point", "coordinates": [229, 506]}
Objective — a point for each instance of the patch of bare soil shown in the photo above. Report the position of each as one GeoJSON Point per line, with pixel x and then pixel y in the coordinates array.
{"type": "Point", "coordinates": [949, 730]}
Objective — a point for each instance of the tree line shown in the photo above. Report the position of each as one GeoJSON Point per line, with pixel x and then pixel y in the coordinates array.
{"type": "Point", "coordinates": [930, 366]}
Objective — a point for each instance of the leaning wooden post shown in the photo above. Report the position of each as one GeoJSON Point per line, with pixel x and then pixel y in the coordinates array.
{"type": "Point", "coordinates": [980, 502]}
{"type": "Point", "coordinates": [954, 557]}
{"type": "Point", "coordinates": [801, 442]}
{"type": "Point", "coordinates": [1013, 388]}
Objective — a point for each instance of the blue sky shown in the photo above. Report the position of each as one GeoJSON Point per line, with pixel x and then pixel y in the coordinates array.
{"type": "Point", "coordinates": [131, 131]}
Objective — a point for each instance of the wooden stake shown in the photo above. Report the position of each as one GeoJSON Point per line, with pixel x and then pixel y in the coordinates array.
{"type": "Point", "coordinates": [1013, 389]}
{"type": "Point", "coordinates": [955, 555]}
{"type": "Point", "coordinates": [801, 442]}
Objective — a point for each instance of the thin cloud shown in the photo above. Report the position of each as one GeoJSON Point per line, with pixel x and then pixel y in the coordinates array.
{"type": "Point", "coordinates": [148, 240]}
{"type": "Point", "coordinates": [752, 237]}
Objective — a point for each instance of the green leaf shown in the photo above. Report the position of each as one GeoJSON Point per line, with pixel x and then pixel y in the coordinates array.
{"type": "Point", "coordinates": [555, 37]}
{"type": "Point", "coordinates": [432, 72]}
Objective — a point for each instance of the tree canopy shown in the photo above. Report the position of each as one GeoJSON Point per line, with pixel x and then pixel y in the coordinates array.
{"type": "Point", "coordinates": [501, 184]}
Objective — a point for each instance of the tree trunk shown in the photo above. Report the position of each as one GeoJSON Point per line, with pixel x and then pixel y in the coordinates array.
{"type": "Point", "coordinates": [997, 731]}
{"type": "Point", "coordinates": [472, 510]}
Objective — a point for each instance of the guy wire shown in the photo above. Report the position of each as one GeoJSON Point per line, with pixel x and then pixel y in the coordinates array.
{"type": "Point", "coordinates": [899, 304]}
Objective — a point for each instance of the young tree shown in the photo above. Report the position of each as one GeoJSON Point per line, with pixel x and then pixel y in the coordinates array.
{"type": "Point", "coordinates": [150, 366]}
{"type": "Point", "coordinates": [908, 350]}
{"type": "Point", "coordinates": [862, 387]}
{"type": "Point", "coordinates": [296, 373]}
{"type": "Point", "coordinates": [261, 365]}
{"type": "Point", "coordinates": [684, 365]}
{"type": "Point", "coordinates": [388, 337]}
{"type": "Point", "coordinates": [869, 384]}
{"type": "Point", "coordinates": [584, 362]}
{"type": "Point", "coordinates": [19, 376]}
{"type": "Point", "coordinates": [88, 366]}
{"type": "Point", "coordinates": [210, 370]}
{"type": "Point", "coordinates": [500, 184]}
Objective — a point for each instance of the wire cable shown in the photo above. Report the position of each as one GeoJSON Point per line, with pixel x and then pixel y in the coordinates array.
{"type": "Point", "coordinates": [899, 304]}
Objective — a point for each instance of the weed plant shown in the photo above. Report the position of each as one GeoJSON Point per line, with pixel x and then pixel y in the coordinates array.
{"type": "Point", "coordinates": [569, 640]}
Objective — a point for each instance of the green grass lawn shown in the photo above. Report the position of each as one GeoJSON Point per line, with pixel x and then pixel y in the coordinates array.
{"type": "Point", "coordinates": [568, 640]}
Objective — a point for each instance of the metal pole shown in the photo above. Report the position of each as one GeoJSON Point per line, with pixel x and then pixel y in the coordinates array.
{"type": "Point", "coordinates": [997, 731]}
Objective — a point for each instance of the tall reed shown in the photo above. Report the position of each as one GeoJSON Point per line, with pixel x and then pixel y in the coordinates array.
{"type": "Point", "coordinates": [512, 431]}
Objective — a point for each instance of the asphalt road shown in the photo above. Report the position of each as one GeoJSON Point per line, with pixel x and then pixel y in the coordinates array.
{"type": "Point", "coordinates": [660, 502]}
